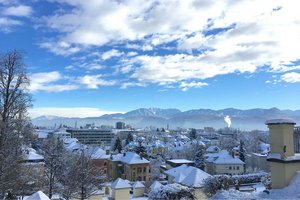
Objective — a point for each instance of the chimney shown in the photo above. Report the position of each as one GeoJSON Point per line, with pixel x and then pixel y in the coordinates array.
{"type": "Point", "coordinates": [282, 136]}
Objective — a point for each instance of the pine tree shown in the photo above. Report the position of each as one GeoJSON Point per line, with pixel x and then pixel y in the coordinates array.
{"type": "Point", "coordinates": [242, 151]}
{"type": "Point", "coordinates": [193, 134]}
{"type": "Point", "coordinates": [141, 150]}
{"type": "Point", "coordinates": [129, 138]}
{"type": "Point", "coordinates": [118, 145]}
{"type": "Point", "coordinates": [199, 157]}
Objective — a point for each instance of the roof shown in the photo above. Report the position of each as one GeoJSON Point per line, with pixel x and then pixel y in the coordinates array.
{"type": "Point", "coordinates": [188, 175]}
{"type": "Point", "coordinates": [213, 149]}
{"type": "Point", "coordinates": [30, 154]}
{"type": "Point", "coordinates": [195, 178]}
{"type": "Point", "coordinates": [280, 121]}
{"type": "Point", "coordinates": [138, 184]}
{"type": "Point", "coordinates": [38, 196]}
{"type": "Point", "coordinates": [96, 152]}
{"type": "Point", "coordinates": [155, 185]}
{"type": "Point", "coordinates": [178, 161]}
{"type": "Point", "coordinates": [179, 178]}
{"type": "Point", "coordinates": [120, 184]}
{"type": "Point", "coordinates": [133, 158]}
{"type": "Point", "coordinates": [225, 158]}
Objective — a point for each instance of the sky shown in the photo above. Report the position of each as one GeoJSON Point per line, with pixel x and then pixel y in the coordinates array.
{"type": "Point", "coordinates": [88, 58]}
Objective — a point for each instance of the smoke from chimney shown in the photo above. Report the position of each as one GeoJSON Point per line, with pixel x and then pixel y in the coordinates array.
{"type": "Point", "coordinates": [227, 120]}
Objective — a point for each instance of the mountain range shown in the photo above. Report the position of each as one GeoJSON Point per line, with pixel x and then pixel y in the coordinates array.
{"type": "Point", "coordinates": [198, 118]}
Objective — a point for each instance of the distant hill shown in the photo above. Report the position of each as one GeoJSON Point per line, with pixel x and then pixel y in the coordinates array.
{"type": "Point", "coordinates": [197, 118]}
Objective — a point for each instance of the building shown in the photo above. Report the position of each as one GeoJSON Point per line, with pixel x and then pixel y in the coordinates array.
{"type": "Point", "coordinates": [138, 189]}
{"type": "Point", "coordinates": [92, 136]}
{"type": "Point", "coordinates": [120, 125]}
{"type": "Point", "coordinates": [120, 189]}
{"type": "Point", "coordinates": [188, 176]}
{"type": "Point", "coordinates": [283, 160]}
{"type": "Point", "coordinates": [223, 163]}
{"type": "Point", "coordinates": [129, 166]}
{"type": "Point", "coordinates": [178, 162]}
{"type": "Point", "coordinates": [100, 159]}
{"type": "Point", "coordinates": [34, 165]}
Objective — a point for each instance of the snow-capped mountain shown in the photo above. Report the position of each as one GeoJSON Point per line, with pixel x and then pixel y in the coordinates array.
{"type": "Point", "coordinates": [197, 118]}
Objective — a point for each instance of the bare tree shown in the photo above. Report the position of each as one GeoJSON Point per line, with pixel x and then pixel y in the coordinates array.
{"type": "Point", "coordinates": [54, 157]}
{"type": "Point", "coordinates": [80, 178]}
{"type": "Point", "coordinates": [14, 101]}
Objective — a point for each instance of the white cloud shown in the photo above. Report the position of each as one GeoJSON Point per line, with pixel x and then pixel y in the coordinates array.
{"type": "Point", "coordinates": [132, 53]}
{"type": "Point", "coordinates": [223, 36]}
{"type": "Point", "coordinates": [132, 84]}
{"type": "Point", "coordinates": [68, 112]}
{"type": "Point", "coordinates": [291, 77]}
{"type": "Point", "coordinates": [184, 86]}
{"type": "Point", "coordinates": [175, 68]}
{"type": "Point", "coordinates": [60, 48]}
{"type": "Point", "coordinates": [94, 81]}
{"type": "Point", "coordinates": [46, 81]}
{"type": "Point", "coordinates": [18, 11]}
{"type": "Point", "coordinates": [112, 53]}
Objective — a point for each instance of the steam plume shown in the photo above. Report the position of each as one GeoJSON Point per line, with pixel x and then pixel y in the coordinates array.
{"type": "Point", "coordinates": [228, 121]}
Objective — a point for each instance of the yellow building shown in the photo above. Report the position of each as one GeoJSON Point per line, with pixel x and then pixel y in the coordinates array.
{"type": "Point", "coordinates": [138, 189]}
{"type": "Point", "coordinates": [120, 189]}
{"type": "Point", "coordinates": [283, 160]}
{"type": "Point", "coordinates": [129, 166]}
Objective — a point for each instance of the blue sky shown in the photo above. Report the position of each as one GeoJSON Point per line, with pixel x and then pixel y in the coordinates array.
{"type": "Point", "coordinates": [87, 58]}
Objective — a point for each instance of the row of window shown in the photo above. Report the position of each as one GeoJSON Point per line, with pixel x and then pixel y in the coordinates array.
{"type": "Point", "coordinates": [234, 167]}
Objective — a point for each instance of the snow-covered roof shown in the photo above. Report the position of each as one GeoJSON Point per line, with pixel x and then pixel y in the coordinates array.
{"type": "Point", "coordinates": [178, 161]}
{"type": "Point", "coordinates": [155, 185]}
{"type": "Point", "coordinates": [179, 178]}
{"type": "Point", "coordinates": [96, 152]}
{"type": "Point", "coordinates": [225, 158]}
{"type": "Point", "coordinates": [133, 158]}
{"type": "Point", "coordinates": [188, 175]}
{"type": "Point", "coordinates": [38, 196]}
{"type": "Point", "coordinates": [195, 178]}
{"type": "Point", "coordinates": [280, 121]}
{"type": "Point", "coordinates": [176, 170]}
{"type": "Point", "coordinates": [138, 184]}
{"type": "Point", "coordinates": [120, 184]}
{"type": "Point", "coordinates": [31, 155]}
{"type": "Point", "coordinates": [213, 149]}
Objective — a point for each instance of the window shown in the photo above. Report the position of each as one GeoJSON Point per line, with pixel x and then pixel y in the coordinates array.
{"type": "Point", "coordinates": [229, 167]}
{"type": "Point", "coordinates": [144, 169]}
{"type": "Point", "coordinates": [144, 178]}
{"type": "Point", "coordinates": [139, 170]}
{"type": "Point", "coordinates": [104, 163]}
{"type": "Point", "coordinates": [233, 167]}
{"type": "Point", "coordinates": [237, 168]}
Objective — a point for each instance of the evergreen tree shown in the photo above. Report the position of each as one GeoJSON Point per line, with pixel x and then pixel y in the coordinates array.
{"type": "Point", "coordinates": [199, 157]}
{"type": "Point", "coordinates": [141, 150]}
{"type": "Point", "coordinates": [242, 151]}
{"type": "Point", "coordinates": [129, 138]}
{"type": "Point", "coordinates": [118, 145]}
{"type": "Point", "coordinates": [193, 134]}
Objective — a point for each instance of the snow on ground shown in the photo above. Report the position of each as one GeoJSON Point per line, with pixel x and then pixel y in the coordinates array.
{"type": "Point", "coordinates": [291, 192]}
